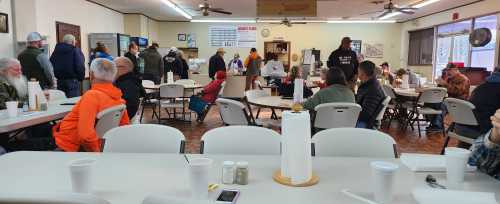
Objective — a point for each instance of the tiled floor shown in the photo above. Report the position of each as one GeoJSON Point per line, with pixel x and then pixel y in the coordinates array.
{"type": "Point", "coordinates": [408, 141]}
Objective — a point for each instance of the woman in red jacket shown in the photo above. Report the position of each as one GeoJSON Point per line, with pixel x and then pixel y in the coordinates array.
{"type": "Point", "coordinates": [211, 91]}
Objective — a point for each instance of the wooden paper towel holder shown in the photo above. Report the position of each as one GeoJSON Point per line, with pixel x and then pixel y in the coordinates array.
{"type": "Point", "coordinates": [288, 182]}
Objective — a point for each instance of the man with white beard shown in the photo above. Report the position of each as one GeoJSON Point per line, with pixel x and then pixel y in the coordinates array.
{"type": "Point", "coordinates": [13, 85]}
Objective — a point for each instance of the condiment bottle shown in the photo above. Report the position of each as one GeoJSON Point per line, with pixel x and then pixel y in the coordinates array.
{"type": "Point", "coordinates": [242, 173]}
{"type": "Point", "coordinates": [228, 172]}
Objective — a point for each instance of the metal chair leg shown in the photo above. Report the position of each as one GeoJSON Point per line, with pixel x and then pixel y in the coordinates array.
{"type": "Point", "coordinates": [446, 141]}
{"type": "Point", "coordinates": [258, 113]}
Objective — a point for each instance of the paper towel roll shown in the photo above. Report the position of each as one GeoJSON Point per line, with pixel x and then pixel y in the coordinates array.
{"type": "Point", "coordinates": [296, 141]}
{"type": "Point", "coordinates": [170, 77]}
{"type": "Point", "coordinates": [298, 91]}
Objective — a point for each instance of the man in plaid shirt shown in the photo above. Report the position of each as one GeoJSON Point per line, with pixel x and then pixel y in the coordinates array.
{"type": "Point", "coordinates": [486, 150]}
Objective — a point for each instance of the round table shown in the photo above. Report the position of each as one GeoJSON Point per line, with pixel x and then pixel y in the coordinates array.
{"type": "Point", "coordinates": [157, 86]}
{"type": "Point", "coordinates": [273, 102]}
{"type": "Point", "coordinates": [410, 92]}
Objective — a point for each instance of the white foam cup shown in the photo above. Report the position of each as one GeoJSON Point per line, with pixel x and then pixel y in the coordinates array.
{"type": "Point", "coordinates": [81, 175]}
{"type": "Point", "coordinates": [199, 177]}
{"type": "Point", "coordinates": [383, 181]}
{"type": "Point", "coordinates": [456, 163]}
{"type": "Point", "coordinates": [12, 108]}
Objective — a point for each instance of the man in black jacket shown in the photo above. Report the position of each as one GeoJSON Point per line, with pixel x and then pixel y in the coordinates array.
{"type": "Point", "coordinates": [345, 59]}
{"type": "Point", "coordinates": [69, 66]}
{"type": "Point", "coordinates": [370, 95]}
{"type": "Point", "coordinates": [133, 50]}
{"type": "Point", "coordinates": [216, 63]}
{"type": "Point", "coordinates": [130, 85]}
{"type": "Point", "coordinates": [486, 98]}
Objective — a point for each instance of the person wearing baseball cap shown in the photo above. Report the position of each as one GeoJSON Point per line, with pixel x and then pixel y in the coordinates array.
{"type": "Point", "coordinates": [216, 63]}
{"type": "Point", "coordinates": [345, 59]}
{"type": "Point", "coordinates": [35, 63]}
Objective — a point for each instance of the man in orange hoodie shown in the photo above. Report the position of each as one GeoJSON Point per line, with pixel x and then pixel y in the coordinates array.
{"type": "Point", "coordinates": [252, 63]}
{"type": "Point", "coordinates": [76, 132]}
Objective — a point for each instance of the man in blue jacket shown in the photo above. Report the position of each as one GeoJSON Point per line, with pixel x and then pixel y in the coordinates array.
{"type": "Point", "coordinates": [69, 66]}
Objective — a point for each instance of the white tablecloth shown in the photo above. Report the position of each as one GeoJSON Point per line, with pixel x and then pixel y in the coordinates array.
{"type": "Point", "coordinates": [128, 178]}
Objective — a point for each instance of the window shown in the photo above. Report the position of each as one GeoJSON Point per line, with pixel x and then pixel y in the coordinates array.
{"type": "Point", "coordinates": [452, 44]}
{"type": "Point", "coordinates": [485, 56]}
{"type": "Point", "coordinates": [421, 47]}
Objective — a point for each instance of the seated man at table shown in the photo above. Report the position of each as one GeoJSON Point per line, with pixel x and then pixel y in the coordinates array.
{"type": "Point", "coordinates": [76, 132]}
{"type": "Point", "coordinates": [486, 150]}
{"type": "Point", "coordinates": [13, 85]}
{"type": "Point", "coordinates": [336, 91]}
{"type": "Point", "coordinates": [286, 88]}
{"type": "Point", "coordinates": [370, 95]}
{"type": "Point", "coordinates": [130, 85]}
{"type": "Point", "coordinates": [486, 98]}
{"type": "Point", "coordinates": [457, 86]}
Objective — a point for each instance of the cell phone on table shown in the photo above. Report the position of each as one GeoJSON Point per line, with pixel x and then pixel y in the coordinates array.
{"type": "Point", "coordinates": [228, 197]}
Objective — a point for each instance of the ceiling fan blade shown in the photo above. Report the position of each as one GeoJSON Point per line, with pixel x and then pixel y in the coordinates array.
{"type": "Point", "coordinates": [298, 23]}
{"type": "Point", "coordinates": [407, 8]}
{"type": "Point", "coordinates": [373, 12]}
{"type": "Point", "coordinates": [221, 11]}
{"type": "Point", "coordinates": [384, 14]}
{"type": "Point", "coordinates": [406, 11]}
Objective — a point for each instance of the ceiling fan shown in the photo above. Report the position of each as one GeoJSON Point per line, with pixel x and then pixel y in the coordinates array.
{"type": "Point", "coordinates": [205, 8]}
{"type": "Point", "coordinates": [391, 8]}
{"type": "Point", "coordinates": [287, 22]}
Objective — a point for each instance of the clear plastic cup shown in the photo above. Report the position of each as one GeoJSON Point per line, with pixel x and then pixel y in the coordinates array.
{"type": "Point", "coordinates": [81, 175]}
{"type": "Point", "coordinates": [12, 108]}
{"type": "Point", "coordinates": [383, 181]}
{"type": "Point", "coordinates": [456, 163]}
{"type": "Point", "coordinates": [199, 170]}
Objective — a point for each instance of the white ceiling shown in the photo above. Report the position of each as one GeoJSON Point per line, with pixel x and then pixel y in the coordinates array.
{"type": "Point", "coordinates": [327, 9]}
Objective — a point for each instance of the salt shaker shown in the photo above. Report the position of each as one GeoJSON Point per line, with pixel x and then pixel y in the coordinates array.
{"type": "Point", "coordinates": [242, 173]}
{"type": "Point", "coordinates": [228, 172]}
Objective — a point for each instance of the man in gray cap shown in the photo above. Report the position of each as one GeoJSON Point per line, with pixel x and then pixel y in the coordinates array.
{"type": "Point", "coordinates": [35, 63]}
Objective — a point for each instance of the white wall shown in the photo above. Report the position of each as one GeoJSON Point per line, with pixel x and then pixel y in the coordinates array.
{"type": "Point", "coordinates": [477, 9]}
{"type": "Point", "coordinates": [142, 26]}
{"type": "Point", "coordinates": [324, 37]}
{"type": "Point", "coordinates": [90, 17]}
{"type": "Point", "coordinates": [6, 39]}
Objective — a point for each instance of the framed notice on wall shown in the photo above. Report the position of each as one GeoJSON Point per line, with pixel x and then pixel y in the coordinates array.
{"type": "Point", "coordinates": [223, 36]}
{"type": "Point", "coordinates": [232, 36]}
{"type": "Point", "coordinates": [356, 46]}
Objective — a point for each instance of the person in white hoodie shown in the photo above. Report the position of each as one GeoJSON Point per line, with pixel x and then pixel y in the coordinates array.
{"type": "Point", "coordinates": [273, 69]}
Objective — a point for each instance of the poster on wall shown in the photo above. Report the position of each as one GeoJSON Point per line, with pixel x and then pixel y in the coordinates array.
{"type": "Point", "coordinates": [223, 36]}
{"type": "Point", "coordinates": [191, 40]}
{"type": "Point", "coordinates": [356, 46]}
{"type": "Point", "coordinates": [232, 36]}
{"type": "Point", "coordinates": [247, 36]}
{"type": "Point", "coordinates": [373, 50]}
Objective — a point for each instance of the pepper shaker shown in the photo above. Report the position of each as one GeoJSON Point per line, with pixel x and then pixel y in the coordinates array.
{"type": "Point", "coordinates": [242, 173]}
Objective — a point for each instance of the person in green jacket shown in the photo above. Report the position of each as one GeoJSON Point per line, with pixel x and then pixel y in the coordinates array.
{"type": "Point", "coordinates": [35, 64]}
{"type": "Point", "coordinates": [335, 92]}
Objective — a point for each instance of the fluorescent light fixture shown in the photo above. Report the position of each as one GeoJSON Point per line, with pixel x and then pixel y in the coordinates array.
{"type": "Point", "coordinates": [177, 9]}
{"type": "Point", "coordinates": [390, 15]}
{"type": "Point", "coordinates": [222, 21]}
{"type": "Point", "coordinates": [268, 21]}
{"type": "Point", "coordinates": [425, 3]}
{"type": "Point", "coordinates": [292, 21]}
{"type": "Point", "coordinates": [361, 21]}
